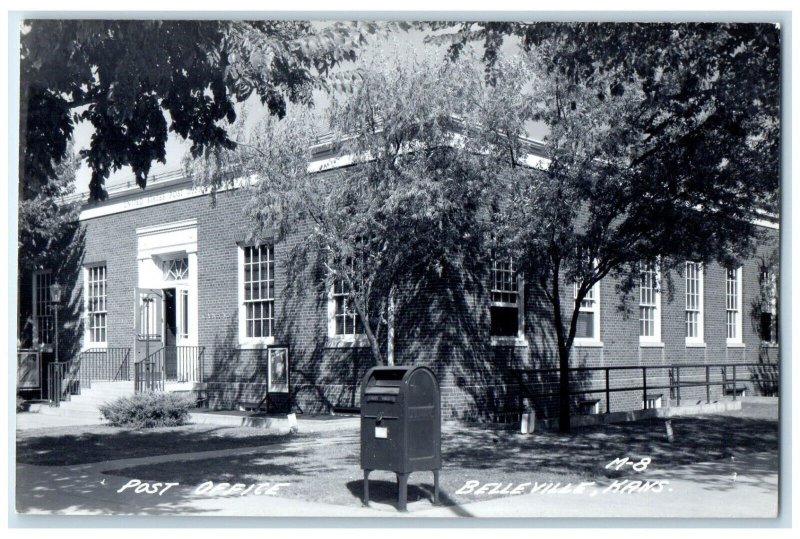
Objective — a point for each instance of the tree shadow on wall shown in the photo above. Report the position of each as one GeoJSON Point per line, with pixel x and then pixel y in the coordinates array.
{"type": "Point", "coordinates": [68, 273]}
{"type": "Point", "coordinates": [324, 377]}
{"type": "Point", "coordinates": [445, 323]}
{"type": "Point", "coordinates": [765, 374]}
{"type": "Point", "coordinates": [538, 377]}
{"type": "Point", "coordinates": [237, 375]}
{"type": "Point", "coordinates": [764, 323]}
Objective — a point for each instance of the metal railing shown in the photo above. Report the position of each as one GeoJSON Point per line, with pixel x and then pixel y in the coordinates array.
{"type": "Point", "coordinates": [67, 378]}
{"type": "Point", "coordinates": [169, 364]}
{"type": "Point", "coordinates": [184, 363]}
{"type": "Point", "coordinates": [62, 381]}
{"type": "Point", "coordinates": [107, 364]}
{"type": "Point", "coordinates": [684, 375]}
{"type": "Point", "coordinates": [148, 374]}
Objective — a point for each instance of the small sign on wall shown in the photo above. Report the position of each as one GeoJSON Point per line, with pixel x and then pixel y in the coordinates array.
{"type": "Point", "coordinates": [29, 369]}
{"type": "Point", "coordinates": [278, 370]}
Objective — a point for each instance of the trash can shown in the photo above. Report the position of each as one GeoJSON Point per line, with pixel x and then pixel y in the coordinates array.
{"type": "Point", "coordinates": [401, 426]}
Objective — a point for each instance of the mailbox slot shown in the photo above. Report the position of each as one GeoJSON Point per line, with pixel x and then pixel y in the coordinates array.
{"type": "Point", "coordinates": [382, 393]}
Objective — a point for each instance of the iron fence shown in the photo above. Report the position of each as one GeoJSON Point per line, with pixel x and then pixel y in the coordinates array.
{"type": "Point", "coordinates": [730, 377]}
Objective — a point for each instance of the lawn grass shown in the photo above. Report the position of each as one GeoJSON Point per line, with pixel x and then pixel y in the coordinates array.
{"type": "Point", "coordinates": [98, 443]}
{"type": "Point", "coordinates": [325, 467]}
{"type": "Point", "coordinates": [328, 470]}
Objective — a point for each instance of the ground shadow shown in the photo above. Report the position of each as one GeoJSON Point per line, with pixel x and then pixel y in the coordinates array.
{"type": "Point", "coordinates": [385, 492]}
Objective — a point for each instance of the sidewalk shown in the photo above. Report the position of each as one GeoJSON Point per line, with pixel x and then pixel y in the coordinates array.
{"type": "Point", "coordinates": [28, 420]}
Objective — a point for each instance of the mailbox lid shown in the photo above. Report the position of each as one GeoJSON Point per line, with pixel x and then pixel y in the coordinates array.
{"type": "Point", "coordinates": [383, 384]}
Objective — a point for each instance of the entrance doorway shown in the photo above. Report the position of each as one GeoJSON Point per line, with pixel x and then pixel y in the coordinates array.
{"type": "Point", "coordinates": [167, 275]}
{"type": "Point", "coordinates": [163, 332]}
{"type": "Point", "coordinates": [170, 334]}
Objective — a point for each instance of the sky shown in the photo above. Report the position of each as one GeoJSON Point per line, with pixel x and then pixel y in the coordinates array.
{"type": "Point", "coordinates": [402, 44]}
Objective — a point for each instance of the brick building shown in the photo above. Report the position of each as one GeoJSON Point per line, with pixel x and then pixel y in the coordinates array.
{"type": "Point", "coordinates": [221, 302]}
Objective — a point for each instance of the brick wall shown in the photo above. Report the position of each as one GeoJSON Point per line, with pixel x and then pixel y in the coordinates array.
{"type": "Point", "coordinates": [445, 324]}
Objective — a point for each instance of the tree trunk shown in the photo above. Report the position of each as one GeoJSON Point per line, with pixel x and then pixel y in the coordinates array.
{"type": "Point", "coordinates": [390, 327]}
{"type": "Point", "coordinates": [563, 390]}
{"type": "Point", "coordinates": [564, 344]}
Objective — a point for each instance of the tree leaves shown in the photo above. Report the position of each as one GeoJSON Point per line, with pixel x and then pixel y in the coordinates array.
{"type": "Point", "coordinates": [121, 75]}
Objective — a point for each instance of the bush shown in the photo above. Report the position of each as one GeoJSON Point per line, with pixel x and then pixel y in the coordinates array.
{"type": "Point", "coordinates": [148, 410]}
{"type": "Point", "coordinates": [20, 404]}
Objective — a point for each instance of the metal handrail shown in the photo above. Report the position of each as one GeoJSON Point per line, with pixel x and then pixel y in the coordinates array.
{"type": "Point", "coordinates": [62, 381]}
{"type": "Point", "coordinates": [109, 364]}
{"type": "Point", "coordinates": [149, 373]}
{"type": "Point", "coordinates": [169, 364]}
{"type": "Point", "coordinates": [675, 383]}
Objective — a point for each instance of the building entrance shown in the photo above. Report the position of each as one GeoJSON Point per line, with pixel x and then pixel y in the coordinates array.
{"type": "Point", "coordinates": [167, 272]}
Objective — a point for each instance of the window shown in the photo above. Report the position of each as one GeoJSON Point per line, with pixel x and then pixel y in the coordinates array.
{"type": "Point", "coordinates": [184, 310]}
{"type": "Point", "coordinates": [96, 304]}
{"type": "Point", "coordinates": [257, 307]}
{"type": "Point", "coordinates": [733, 305]}
{"type": "Point", "coordinates": [176, 269]}
{"type": "Point", "coordinates": [649, 305]}
{"type": "Point", "coordinates": [588, 327]}
{"type": "Point", "coordinates": [345, 319]}
{"type": "Point", "coordinates": [588, 323]}
{"type": "Point", "coordinates": [42, 309]}
{"type": "Point", "coordinates": [769, 307]}
{"type": "Point", "coordinates": [505, 300]}
{"type": "Point", "coordinates": [694, 303]}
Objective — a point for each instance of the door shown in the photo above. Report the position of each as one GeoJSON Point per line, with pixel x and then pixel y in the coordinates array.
{"type": "Point", "coordinates": [148, 309]}
{"type": "Point", "coordinates": [186, 357]}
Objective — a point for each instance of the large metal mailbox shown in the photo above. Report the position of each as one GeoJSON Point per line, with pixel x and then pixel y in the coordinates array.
{"type": "Point", "coordinates": [401, 425]}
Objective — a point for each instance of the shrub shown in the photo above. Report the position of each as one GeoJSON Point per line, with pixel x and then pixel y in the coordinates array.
{"type": "Point", "coordinates": [20, 404]}
{"type": "Point", "coordinates": [148, 410]}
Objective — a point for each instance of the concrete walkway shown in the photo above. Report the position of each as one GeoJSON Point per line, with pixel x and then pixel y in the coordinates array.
{"type": "Point", "coordinates": [744, 488]}
{"type": "Point", "coordinates": [30, 420]}
{"type": "Point", "coordinates": [280, 425]}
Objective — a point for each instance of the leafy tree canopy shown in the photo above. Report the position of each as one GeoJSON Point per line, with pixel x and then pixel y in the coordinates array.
{"type": "Point", "coordinates": [412, 204]}
{"type": "Point", "coordinates": [662, 142]}
{"type": "Point", "coordinates": [135, 80]}
{"type": "Point", "coordinates": [44, 218]}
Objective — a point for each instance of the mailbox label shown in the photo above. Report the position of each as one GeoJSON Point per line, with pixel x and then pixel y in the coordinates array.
{"type": "Point", "coordinates": [381, 432]}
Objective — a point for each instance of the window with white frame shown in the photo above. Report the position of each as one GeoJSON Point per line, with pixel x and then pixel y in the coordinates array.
{"type": "Point", "coordinates": [43, 325]}
{"type": "Point", "coordinates": [505, 300]}
{"type": "Point", "coordinates": [649, 304]}
{"type": "Point", "coordinates": [588, 326]}
{"type": "Point", "coordinates": [694, 302]}
{"type": "Point", "coordinates": [346, 321]}
{"type": "Point", "coordinates": [768, 323]}
{"type": "Point", "coordinates": [257, 306]}
{"type": "Point", "coordinates": [96, 314]}
{"type": "Point", "coordinates": [733, 304]}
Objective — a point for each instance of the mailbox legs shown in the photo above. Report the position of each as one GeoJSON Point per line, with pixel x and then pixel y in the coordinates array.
{"type": "Point", "coordinates": [402, 491]}
{"type": "Point", "coordinates": [435, 487]}
{"type": "Point", "coordinates": [366, 487]}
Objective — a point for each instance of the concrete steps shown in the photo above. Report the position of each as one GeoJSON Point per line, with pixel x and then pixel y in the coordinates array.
{"type": "Point", "coordinates": [88, 403]}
